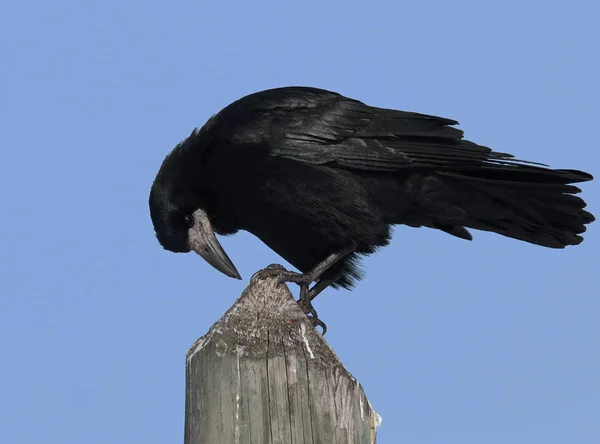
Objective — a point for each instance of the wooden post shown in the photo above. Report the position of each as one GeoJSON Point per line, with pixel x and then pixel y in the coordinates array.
{"type": "Point", "coordinates": [263, 375]}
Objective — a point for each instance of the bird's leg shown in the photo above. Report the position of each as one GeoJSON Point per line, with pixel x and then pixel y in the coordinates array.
{"type": "Point", "coordinates": [321, 285]}
{"type": "Point", "coordinates": [305, 300]}
{"type": "Point", "coordinates": [305, 279]}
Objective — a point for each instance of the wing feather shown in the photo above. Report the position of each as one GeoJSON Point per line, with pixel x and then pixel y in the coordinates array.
{"type": "Point", "coordinates": [322, 127]}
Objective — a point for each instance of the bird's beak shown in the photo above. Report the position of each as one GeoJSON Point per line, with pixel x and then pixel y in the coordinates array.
{"type": "Point", "coordinates": [202, 240]}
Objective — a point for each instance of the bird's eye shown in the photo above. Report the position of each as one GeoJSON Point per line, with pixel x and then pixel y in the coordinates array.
{"type": "Point", "coordinates": [189, 220]}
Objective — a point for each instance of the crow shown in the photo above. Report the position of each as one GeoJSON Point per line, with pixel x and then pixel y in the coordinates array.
{"type": "Point", "coordinates": [321, 178]}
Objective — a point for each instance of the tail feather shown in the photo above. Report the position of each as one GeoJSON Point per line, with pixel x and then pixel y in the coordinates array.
{"type": "Point", "coordinates": [531, 204]}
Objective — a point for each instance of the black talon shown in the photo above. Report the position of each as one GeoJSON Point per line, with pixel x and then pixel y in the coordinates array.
{"type": "Point", "coordinates": [314, 319]}
{"type": "Point", "coordinates": [318, 323]}
{"type": "Point", "coordinates": [306, 305]}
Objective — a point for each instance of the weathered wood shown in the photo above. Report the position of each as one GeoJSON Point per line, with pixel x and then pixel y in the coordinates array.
{"type": "Point", "coordinates": [263, 375]}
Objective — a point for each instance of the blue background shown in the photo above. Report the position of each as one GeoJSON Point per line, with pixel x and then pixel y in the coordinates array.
{"type": "Point", "coordinates": [490, 341]}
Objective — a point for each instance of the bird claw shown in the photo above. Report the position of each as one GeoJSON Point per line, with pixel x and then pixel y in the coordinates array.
{"type": "Point", "coordinates": [311, 314]}
{"type": "Point", "coordinates": [304, 280]}
{"type": "Point", "coordinates": [292, 276]}
{"type": "Point", "coordinates": [316, 322]}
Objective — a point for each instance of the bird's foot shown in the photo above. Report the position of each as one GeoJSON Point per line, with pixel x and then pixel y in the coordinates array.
{"type": "Point", "coordinates": [304, 280]}
{"type": "Point", "coordinates": [273, 270]}
{"type": "Point", "coordinates": [310, 312]}
{"type": "Point", "coordinates": [314, 275]}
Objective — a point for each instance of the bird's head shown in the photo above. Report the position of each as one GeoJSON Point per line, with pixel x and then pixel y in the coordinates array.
{"type": "Point", "coordinates": [181, 222]}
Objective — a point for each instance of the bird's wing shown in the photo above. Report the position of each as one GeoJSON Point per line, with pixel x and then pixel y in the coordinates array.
{"type": "Point", "coordinates": [321, 127]}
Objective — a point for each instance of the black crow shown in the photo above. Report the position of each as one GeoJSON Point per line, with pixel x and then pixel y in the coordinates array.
{"type": "Point", "coordinates": [320, 178]}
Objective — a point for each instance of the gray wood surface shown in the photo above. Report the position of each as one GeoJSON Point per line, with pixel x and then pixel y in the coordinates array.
{"type": "Point", "coordinates": [264, 375]}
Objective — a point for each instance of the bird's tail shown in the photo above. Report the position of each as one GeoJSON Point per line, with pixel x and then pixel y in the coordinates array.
{"type": "Point", "coordinates": [532, 204]}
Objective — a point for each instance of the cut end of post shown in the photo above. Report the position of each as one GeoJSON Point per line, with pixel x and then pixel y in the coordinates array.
{"type": "Point", "coordinates": [265, 304]}
{"type": "Point", "coordinates": [263, 373]}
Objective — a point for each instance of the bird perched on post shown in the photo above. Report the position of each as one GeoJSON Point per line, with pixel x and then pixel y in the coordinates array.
{"type": "Point", "coordinates": [320, 178]}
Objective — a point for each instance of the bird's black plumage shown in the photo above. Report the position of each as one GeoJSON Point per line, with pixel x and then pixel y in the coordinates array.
{"type": "Point", "coordinates": [310, 172]}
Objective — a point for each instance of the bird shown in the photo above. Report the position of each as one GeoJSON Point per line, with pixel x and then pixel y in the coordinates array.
{"type": "Point", "coordinates": [321, 179]}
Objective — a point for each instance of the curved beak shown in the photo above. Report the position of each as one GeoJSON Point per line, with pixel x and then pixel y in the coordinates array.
{"type": "Point", "coordinates": [202, 240]}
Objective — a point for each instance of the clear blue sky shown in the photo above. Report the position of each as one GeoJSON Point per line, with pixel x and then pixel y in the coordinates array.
{"type": "Point", "coordinates": [493, 341]}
